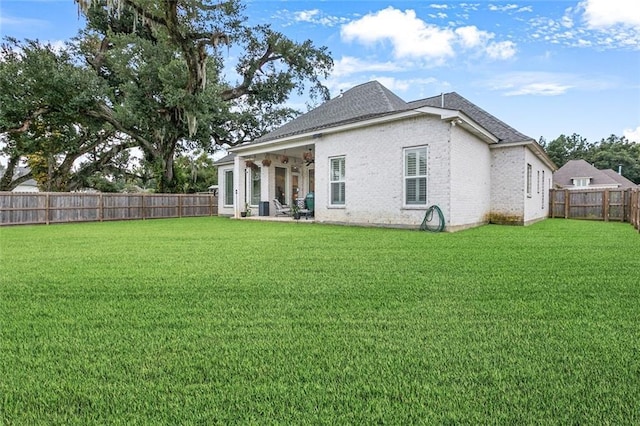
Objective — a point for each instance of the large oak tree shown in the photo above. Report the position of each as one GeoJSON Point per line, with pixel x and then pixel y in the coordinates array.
{"type": "Point", "coordinates": [185, 74]}
{"type": "Point", "coordinates": [166, 76]}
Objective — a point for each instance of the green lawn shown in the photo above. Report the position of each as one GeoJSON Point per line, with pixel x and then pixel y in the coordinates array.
{"type": "Point", "coordinates": [218, 321]}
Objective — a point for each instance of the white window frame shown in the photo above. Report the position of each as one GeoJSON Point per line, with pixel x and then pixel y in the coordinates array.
{"type": "Point", "coordinates": [255, 192]}
{"type": "Point", "coordinates": [581, 182]}
{"type": "Point", "coordinates": [228, 191]}
{"type": "Point", "coordinates": [340, 181]}
{"type": "Point", "coordinates": [529, 178]}
{"type": "Point", "coordinates": [418, 177]}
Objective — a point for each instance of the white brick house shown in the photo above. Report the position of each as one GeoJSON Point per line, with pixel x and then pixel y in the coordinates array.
{"type": "Point", "coordinates": [380, 161]}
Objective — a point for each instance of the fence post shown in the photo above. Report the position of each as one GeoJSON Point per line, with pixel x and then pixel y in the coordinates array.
{"type": "Point", "coordinates": [605, 205]}
{"type": "Point", "coordinates": [566, 204]}
{"type": "Point", "coordinates": [47, 208]}
{"type": "Point", "coordinates": [100, 207]}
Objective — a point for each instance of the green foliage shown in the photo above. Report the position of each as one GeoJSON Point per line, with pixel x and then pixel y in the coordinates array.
{"type": "Point", "coordinates": [253, 322]}
{"type": "Point", "coordinates": [195, 173]}
{"type": "Point", "coordinates": [45, 97]}
{"type": "Point", "coordinates": [164, 66]}
{"type": "Point", "coordinates": [151, 75]}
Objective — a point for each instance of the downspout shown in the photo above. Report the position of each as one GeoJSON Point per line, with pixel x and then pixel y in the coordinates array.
{"type": "Point", "coordinates": [449, 209]}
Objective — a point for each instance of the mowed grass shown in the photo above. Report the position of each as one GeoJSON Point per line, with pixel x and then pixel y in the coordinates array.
{"type": "Point", "coordinates": [216, 321]}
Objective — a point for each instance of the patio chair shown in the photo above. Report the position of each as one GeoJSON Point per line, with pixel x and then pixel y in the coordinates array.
{"type": "Point", "coordinates": [302, 208]}
{"type": "Point", "coordinates": [280, 209]}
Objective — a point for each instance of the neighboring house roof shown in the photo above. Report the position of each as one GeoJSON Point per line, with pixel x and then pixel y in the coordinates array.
{"type": "Point", "coordinates": [564, 176]}
{"type": "Point", "coordinates": [623, 181]}
{"type": "Point", "coordinates": [18, 173]}
{"type": "Point", "coordinates": [372, 99]}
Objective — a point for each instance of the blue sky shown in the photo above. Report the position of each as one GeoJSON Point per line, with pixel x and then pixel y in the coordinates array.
{"type": "Point", "coordinates": [544, 67]}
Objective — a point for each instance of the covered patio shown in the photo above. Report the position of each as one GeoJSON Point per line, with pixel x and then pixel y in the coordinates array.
{"type": "Point", "coordinates": [254, 176]}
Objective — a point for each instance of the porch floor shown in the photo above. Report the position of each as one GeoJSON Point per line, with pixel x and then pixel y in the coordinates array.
{"type": "Point", "coordinates": [278, 219]}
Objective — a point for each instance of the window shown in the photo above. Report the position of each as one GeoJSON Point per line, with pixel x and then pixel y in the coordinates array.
{"type": "Point", "coordinates": [529, 177]}
{"type": "Point", "coordinates": [543, 190]}
{"type": "Point", "coordinates": [415, 176]}
{"type": "Point", "coordinates": [228, 187]}
{"type": "Point", "coordinates": [538, 185]}
{"type": "Point", "coordinates": [255, 186]}
{"type": "Point", "coordinates": [581, 182]}
{"type": "Point", "coordinates": [312, 180]}
{"type": "Point", "coordinates": [337, 180]}
{"type": "Point", "coordinates": [281, 185]}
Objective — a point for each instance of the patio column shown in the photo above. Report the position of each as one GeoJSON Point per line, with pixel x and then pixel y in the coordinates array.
{"type": "Point", "coordinates": [265, 184]}
{"type": "Point", "coordinates": [239, 184]}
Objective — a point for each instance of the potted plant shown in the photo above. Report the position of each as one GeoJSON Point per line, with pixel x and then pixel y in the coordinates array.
{"type": "Point", "coordinates": [251, 164]}
{"type": "Point", "coordinates": [266, 162]}
{"type": "Point", "coordinates": [247, 209]}
{"type": "Point", "coordinates": [295, 210]}
{"type": "Point", "coordinates": [308, 157]}
{"type": "Point", "coordinates": [284, 159]}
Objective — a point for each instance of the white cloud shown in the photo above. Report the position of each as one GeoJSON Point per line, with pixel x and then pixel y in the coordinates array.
{"type": "Point", "coordinates": [546, 83]}
{"type": "Point", "coordinates": [438, 6]}
{"type": "Point", "coordinates": [348, 65]}
{"type": "Point", "coordinates": [412, 38]}
{"type": "Point", "coordinates": [315, 16]}
{"type": "Point", "coordinates": [531, 83]}
{"type": "Point", "coordinates": [501, 50]}
{"type": "Point", "coordinates": [471, 36]}
{"type": "Point", "coordinates": [504, 8]}
{"type": "Point", "coordinates": [606, 13]}
{"type": "Point", "coordinates": [632, 135]}
{"type": "Point", "coordinates": [590, 26]}
{"type": "Point", "coordinates": [306, 15]}
{"type": "Point", "coordinates": [415, 85]}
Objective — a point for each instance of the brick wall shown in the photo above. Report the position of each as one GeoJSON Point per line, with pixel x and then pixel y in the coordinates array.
{"type": "Point", "coordinates": [374, 172]}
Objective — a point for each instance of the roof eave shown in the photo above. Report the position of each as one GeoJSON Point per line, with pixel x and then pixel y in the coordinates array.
{"type": "Point", "coordinates": [305, 138]}
{"type": "Point", "coordinates": [456, 117]}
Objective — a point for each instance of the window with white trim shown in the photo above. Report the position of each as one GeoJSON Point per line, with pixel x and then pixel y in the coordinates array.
{"type": "Point", "coordinates": [529, 177]}
{"type": "Point", "coordinates": [542, 190]}
{"type": "Point", "coordinates": [337, 180]}
{"type": "Point", "coordinates": [415, 176]}
{"type": "Point", "coordinates": [582, 182]}
{"type": "Point", "coordinates": [255, 186]}
{"type": "Point", "coordinates": [228, 187]}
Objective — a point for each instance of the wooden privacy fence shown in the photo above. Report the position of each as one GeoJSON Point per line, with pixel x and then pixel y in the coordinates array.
{"type": "Point", "coordinates": [596, 204]}
{"type": "Point", "coordinates": [63, 207]}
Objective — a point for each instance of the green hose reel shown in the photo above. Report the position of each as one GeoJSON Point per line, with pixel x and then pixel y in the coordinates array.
{"type": "Point", "coordinates": [428, 218]}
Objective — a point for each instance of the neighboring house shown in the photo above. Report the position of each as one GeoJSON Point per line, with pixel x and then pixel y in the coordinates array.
{"type": "Point", "coordinates": [371, 158]}
{"type": "Point", "coordinates": [579, 174]}
{"type": "Point", "coordinates": [29, 185]}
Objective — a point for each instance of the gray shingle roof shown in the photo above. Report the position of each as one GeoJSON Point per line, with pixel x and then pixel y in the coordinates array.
{"type": "Point", "coordinates": [581, 169]}
{"type": "Point", "coordinates": [623, 181]}
{"type": "Point", "coordinates": [226, 159]}
{"type": "Point", "coordinates": [372, 99]}
{"type": "Point", "coordinates": [504, 132]}
{"type": "Point", "coordinates": [358, 103]}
